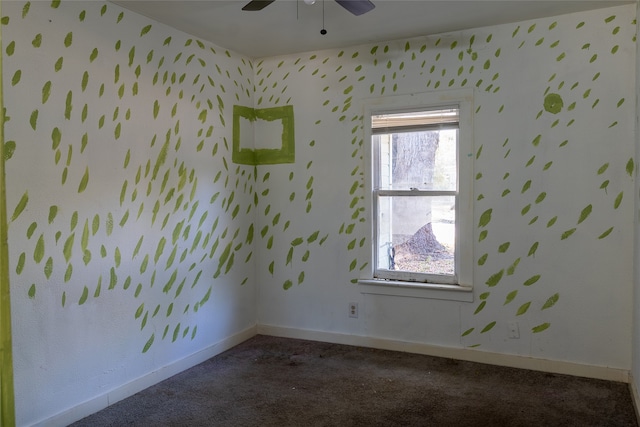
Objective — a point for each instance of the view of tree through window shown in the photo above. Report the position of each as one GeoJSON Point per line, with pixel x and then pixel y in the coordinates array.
{"type": "Point", "coordinates": [416, 192]}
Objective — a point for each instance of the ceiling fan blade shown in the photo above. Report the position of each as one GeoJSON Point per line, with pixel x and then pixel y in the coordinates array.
{"type": "Point", "coordinates": [357, 7]}
{"type": "Point", "coordinates": [254, 5]}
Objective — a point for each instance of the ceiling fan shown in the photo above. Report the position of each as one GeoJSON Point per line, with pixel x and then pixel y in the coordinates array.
{"type": "Point", "coordinates": [357, 7]}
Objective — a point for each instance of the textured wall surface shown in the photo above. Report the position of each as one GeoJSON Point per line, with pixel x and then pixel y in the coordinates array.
{"type": "Point", "coordinates": [135, 240]}
{"type": "Point", "coordinates": [553, 193]}
{"type": "Point", "coordinates": [130, 229]}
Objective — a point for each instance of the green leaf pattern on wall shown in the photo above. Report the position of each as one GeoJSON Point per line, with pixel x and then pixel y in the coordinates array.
{"type": "Point", "coordinates": [190, 225]}
{"type": "Point", "coordinates": [557, 97]}
{"type": "Point", "coordinates": [346, 77]}
{"type": "Point", "coordinates": [175, 241]}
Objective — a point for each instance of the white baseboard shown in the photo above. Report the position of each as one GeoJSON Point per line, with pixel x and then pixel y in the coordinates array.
{"type": "Point", "coordinates": [459, 353]}
{"type": "Point", "coordinates": [635, 398]}
{"type": "Point", "coordinates": [129, 389]}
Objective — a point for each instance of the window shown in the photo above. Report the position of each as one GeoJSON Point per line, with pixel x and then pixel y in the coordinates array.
{"type": "Point", "coordinates": [420, 178]}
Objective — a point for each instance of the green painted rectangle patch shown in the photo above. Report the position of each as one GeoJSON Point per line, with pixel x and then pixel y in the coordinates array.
{"type": "Point", "coordinates": [264, 156]}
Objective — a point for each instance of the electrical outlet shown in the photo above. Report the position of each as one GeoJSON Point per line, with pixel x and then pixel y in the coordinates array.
{"type": "Point", "coordinates": [514, 331]}
{"type": "Point", "coordinates": [353, 309]}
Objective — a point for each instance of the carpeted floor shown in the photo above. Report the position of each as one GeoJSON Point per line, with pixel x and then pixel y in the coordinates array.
{"type": "Point", "coordinates": [268, 381]}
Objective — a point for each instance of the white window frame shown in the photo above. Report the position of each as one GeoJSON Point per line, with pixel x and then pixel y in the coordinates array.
{"type": "Point", "coordinates": [464, 241]}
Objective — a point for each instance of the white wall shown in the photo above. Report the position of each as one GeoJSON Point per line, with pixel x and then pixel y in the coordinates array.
{"type": "Point", "coordinates": [588, 59]}
{"type": "Point", "coordinates": [96, 313]}
{"type": "Point", "coordinates": [310, 226]}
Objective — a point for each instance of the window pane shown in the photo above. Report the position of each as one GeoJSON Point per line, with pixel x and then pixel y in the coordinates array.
{"type": "Point", "coordinates": [424, 160]}
{"type": "Point", "coordinates": [416, 234]}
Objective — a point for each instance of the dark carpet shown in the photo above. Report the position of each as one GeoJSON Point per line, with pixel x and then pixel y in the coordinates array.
{"type": "Point", "coordinates": [269, 381]}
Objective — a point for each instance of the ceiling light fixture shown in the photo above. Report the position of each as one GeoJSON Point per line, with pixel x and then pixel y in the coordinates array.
{"type": "Point", "coordinates": [310, 2]}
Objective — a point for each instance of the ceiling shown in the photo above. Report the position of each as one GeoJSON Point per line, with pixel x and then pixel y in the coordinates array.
{"type": "Point", "coordinates": [292, 26]}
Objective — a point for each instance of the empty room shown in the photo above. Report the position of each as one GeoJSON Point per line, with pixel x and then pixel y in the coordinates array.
{"type": "Point", "coordinates": [433, 178]}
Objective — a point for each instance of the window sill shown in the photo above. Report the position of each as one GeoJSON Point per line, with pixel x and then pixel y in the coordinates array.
{"type": "Point", "coordinates": [416, 290]}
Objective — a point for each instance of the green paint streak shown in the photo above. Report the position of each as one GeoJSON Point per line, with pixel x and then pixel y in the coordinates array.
{"type": "Point", "coordinates": [7, 397]}
{"type": "Point", "coordinates": [159, 249]}
{"type": "Point", "coordinates": [603, 168]}
{"type": "Point", "coordinates": [84, 296]}
{"type": "Point", "coordinates": [48, 268]}
{"type": "Point", "coordinates": [68, 247]}
{"type": "Point", "coordinates": [536, 140]}
{"type": "Point", "coordinates": [9, 149]}
{"type": "Point", "coordinates": [480, 307]}
{"type": "Point", "coordinates": [85, 236]}
{"type": "Point", "coordinates": [585, 213]}
{"type": "Point", "coordinates": [113, 278]}
{"type": "Point", "coordinates": [33, 120]}
{"type": "Point", "coordinates": [616, 203]}
{"type": "Point", "coordinates": [495, 278]}
{"type": "Point", "coordinates": [531, 280]}
{"type": "Point", "coordinates": [95, 225]}
{"type": "Point", "coordinates": [16, 78]}
{"type": "Point", "coordinates": [523, 308]}
{"type": "Point", "coordinates": [38, 253]}
{"type": "Point", "coordinates": [84, 181]}
{"type": "Point", "coordinates": [109, 224]}
{"type": "Point", "coordinates": [551, 301]}
{"type": "Point", "coordinates": [567, 234]}
{"type": "Point", "coordinates": [20, 265]}
{"type": "Point", "coordinates": [74, 220]}
{"type": "Point", "coordinates": [31, 229]}
{"type": "Point", "coordinates": [512, 268]}
{"type": "Point", "coordinates": [143, 265]}
{"type": "Point", "coordinates": [139, 311]}
{"type": "Point", "coordinates": [37, 40]}
{"type": "Point", "coordinates": [488, 327]}
{"type": "Point", "coordinates": [606, 233]}
{"type": "Point", "coordinates": [56, 137]}
{"type": "Point", "coordinates": [467, 332]}
{"type": "Point", "coordinates": [540, 328]}
{"type": "Point", "coordinates": [483, 259]}
{"type": "Point", "coordinates": [167, 287]}
{"type": "Point", "coordinates": [68, 272]}
{"type": "Point", "coordinates": [117, 257]}
{"type": "Point", "coordinates": [162, 157]}
{"type": "Point", "coordinates": [149, 343]}
{"type": "Point", "coordinates": [510, 297]}
{"type": "Point", "coordinates": [485, 218]}
{"type": "Point", "coordinates": [85, 81]}
{"type": "Point", "coordinates": [68, 39]}
{"type": "Point", "coordinates": [86, 258]}
{"type": "Point", "coordinates": [21, 204]}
